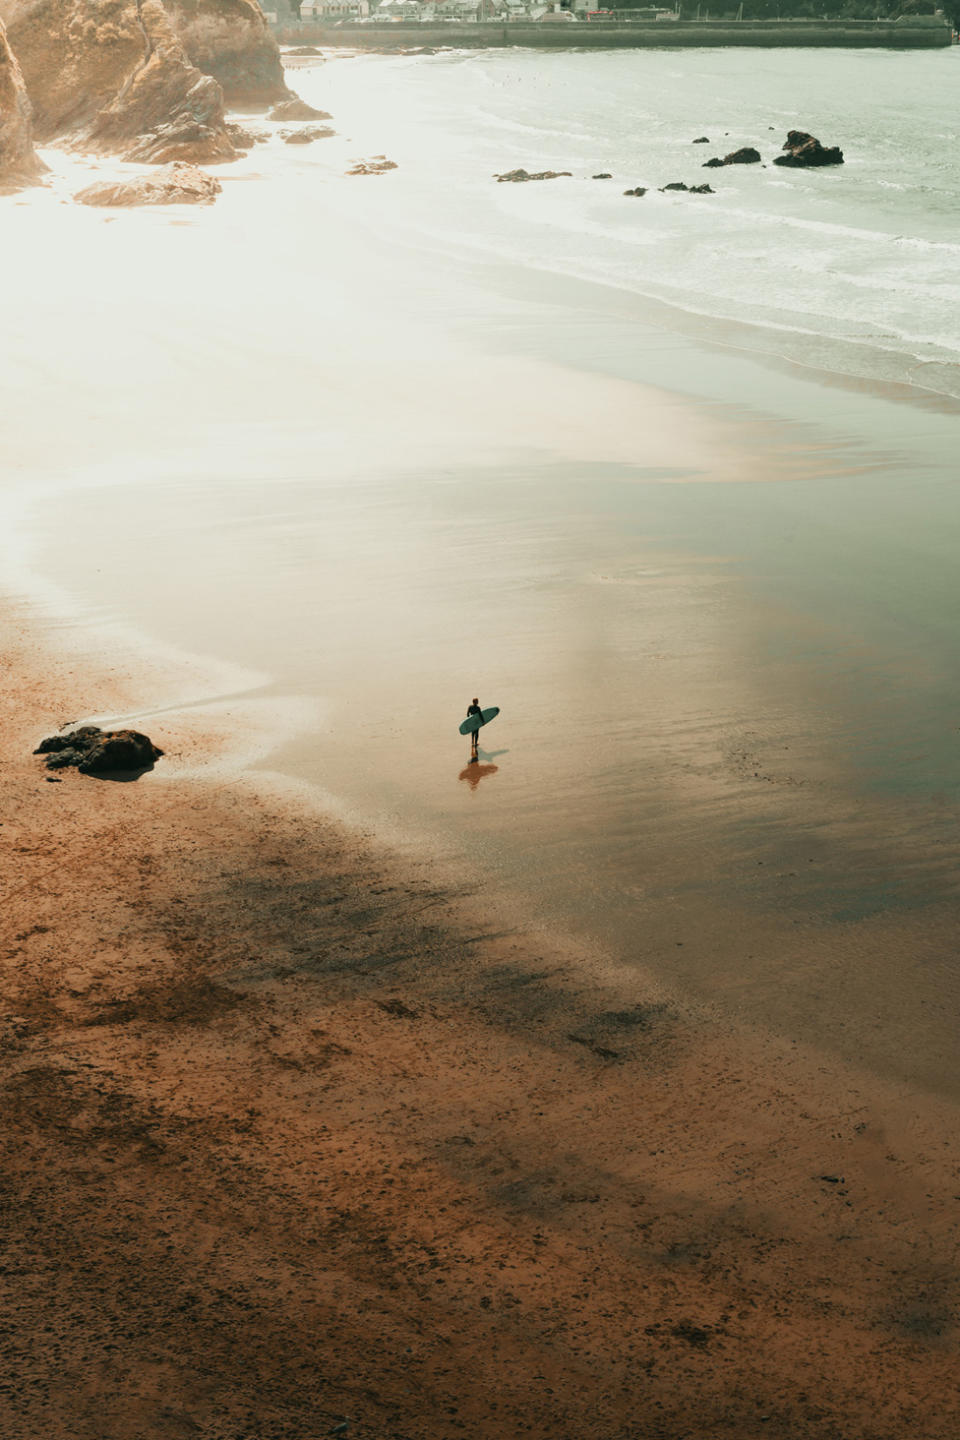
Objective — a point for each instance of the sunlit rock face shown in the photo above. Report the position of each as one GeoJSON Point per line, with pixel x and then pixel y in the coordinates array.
{"type": "Point", "coordinates": [106, 72]}
{"type": "Point", "coordinates": [18, 163]}
{"type": "Point", "coordinates": [230, 40]}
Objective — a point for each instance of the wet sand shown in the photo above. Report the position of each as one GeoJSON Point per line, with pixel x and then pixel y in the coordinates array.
{"type": "Point", "coordinates": [297, 1133]}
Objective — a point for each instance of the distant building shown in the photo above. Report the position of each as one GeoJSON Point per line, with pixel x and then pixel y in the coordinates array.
{"type": "Point", "coordinates": [334, 9]}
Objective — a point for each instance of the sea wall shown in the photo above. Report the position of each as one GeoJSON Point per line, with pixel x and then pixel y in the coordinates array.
{"type": "Point", "coordinates": [913, 34]}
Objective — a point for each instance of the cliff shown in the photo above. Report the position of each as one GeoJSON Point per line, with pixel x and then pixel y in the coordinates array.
{"type": "Point", "coordinates": [230, 40]}
{"type": "Point", "coordinates": [107, 72]}
{"type": "Point", "coordinates": [18, 164]}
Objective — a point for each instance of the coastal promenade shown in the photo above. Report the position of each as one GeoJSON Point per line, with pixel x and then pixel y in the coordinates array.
{"type": "Point", "coordinates": [913, 34]}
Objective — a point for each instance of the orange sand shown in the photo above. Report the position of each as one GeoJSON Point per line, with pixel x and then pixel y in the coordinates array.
{"type": "Point", "coordinates": [291, 1137]}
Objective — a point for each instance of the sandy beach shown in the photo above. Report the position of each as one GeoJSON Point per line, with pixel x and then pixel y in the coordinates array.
{"type": "Point", "coordinates": [296, 1135]}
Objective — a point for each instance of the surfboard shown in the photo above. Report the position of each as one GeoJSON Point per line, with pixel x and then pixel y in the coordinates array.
{"type": "Point", "coordinates": [473, 722]}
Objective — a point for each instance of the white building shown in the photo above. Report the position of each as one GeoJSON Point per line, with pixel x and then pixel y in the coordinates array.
{"type": "Point", "coordinates": [334, 9]}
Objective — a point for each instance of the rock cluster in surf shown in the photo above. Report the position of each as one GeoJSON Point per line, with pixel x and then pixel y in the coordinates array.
{"type": "Point", "coordinates": [746, 155]}
{"type": "Point", "coordinates": [801, 149]}
{"type": "Point", "coordinates": [518, 176]}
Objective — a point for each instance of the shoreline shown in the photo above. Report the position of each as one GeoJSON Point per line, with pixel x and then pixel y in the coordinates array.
{"type": "Point", "coordinates": [680, 34]}
{"type": "Point", "coordinates": [295, 1089]}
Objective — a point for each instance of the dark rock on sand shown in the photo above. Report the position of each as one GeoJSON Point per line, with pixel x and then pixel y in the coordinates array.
{"type": "Point", "coordinates": [602, 176]}
{"type": "Point", "coordinates": [297, 109]}
{"type": "Point", "coordinates": [97, 752]}
{"type": "Point", "coordinates": [744, 156]}
{"type": "Point", "coordinates": [702, 190]}
{"type": "Point", "coordinates": [674, 185]}
{"type": "Point", "coordinates": [638, 190]}
{"type": "Point", "coordinates": [804, 149]}
{"type": "Point", "coordinates": [517, 176]}
{"type": "Point", "coordinates": [307, 135]}
{"type": "Point", "coordinates": [176, 184]}
{"type": "Point", "coordinates": [701, 140]}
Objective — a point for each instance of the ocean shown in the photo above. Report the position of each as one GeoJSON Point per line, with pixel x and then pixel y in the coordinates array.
{"type": "Point", "coordinates": [672, 480]}
{"type": "Point", "coordinates": [851, 268]}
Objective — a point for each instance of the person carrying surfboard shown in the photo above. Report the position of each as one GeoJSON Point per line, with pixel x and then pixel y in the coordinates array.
{"type": "Point", "coordinates": [474, 709]}
{"type": "Point", "coordinates": [471, 726]}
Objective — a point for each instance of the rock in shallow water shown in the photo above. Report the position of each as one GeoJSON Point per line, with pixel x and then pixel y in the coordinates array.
{"type": "Point", "coordinates": [806, 150]}
{"type": "Point", "coordinates": [746, 155]}
{"type": "Point", "coordinates": [516, 176]}
{"type": "Point", "coordinates": [297, 109]}
{"type": "Point", "coordinates": [176, 184]}
{"type": "Point", "coordinates": [307, 135]}
{"type": "Point", "coordinates": [98, 752]}
{"type": "Point", "coordinates": [377, 166]}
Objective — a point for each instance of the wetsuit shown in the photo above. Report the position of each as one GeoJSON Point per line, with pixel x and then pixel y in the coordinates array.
{"type": "Point", "coordinates": [474, 710]}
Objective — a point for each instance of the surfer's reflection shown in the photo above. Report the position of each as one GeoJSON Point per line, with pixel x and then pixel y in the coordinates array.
{"type": "Point", "coordinates": [474, 773]}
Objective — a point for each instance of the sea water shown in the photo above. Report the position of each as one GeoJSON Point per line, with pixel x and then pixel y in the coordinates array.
{"type": "Point", "coordinates": [852, 267]}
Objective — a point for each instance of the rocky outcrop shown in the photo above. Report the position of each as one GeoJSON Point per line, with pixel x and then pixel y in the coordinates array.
{"type": "Point", "coordinates": [185, 140]}
{"type": "Point", "coordinates": [518, 176]}
{"type": "Point", "coordinates": [638, 190]}
{"type": "Point", "coordinates": [105, 73]}
{"type": "Point", "coordinates": [690, 189]}
{"type": "Point", "coordinates": [176, 184]}
{"type": "Point", "coordinates": [297, 109]}
{"type": "Point", "coordinates": [604, 175]}
{"type": "Point", "coordinates": [97, 752]}
{"type": "Point", "coordinates": [18, 164]}
{"type": "Point", "coordinates": [744, 156]}
{"type": "Point", "coordinates": [230, 40]}
{"type": "Point", "coordinates": [804, 149]}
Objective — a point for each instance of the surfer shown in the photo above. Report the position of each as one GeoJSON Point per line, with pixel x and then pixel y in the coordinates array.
{"type": "Point", "coordinates": [474, 709]}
